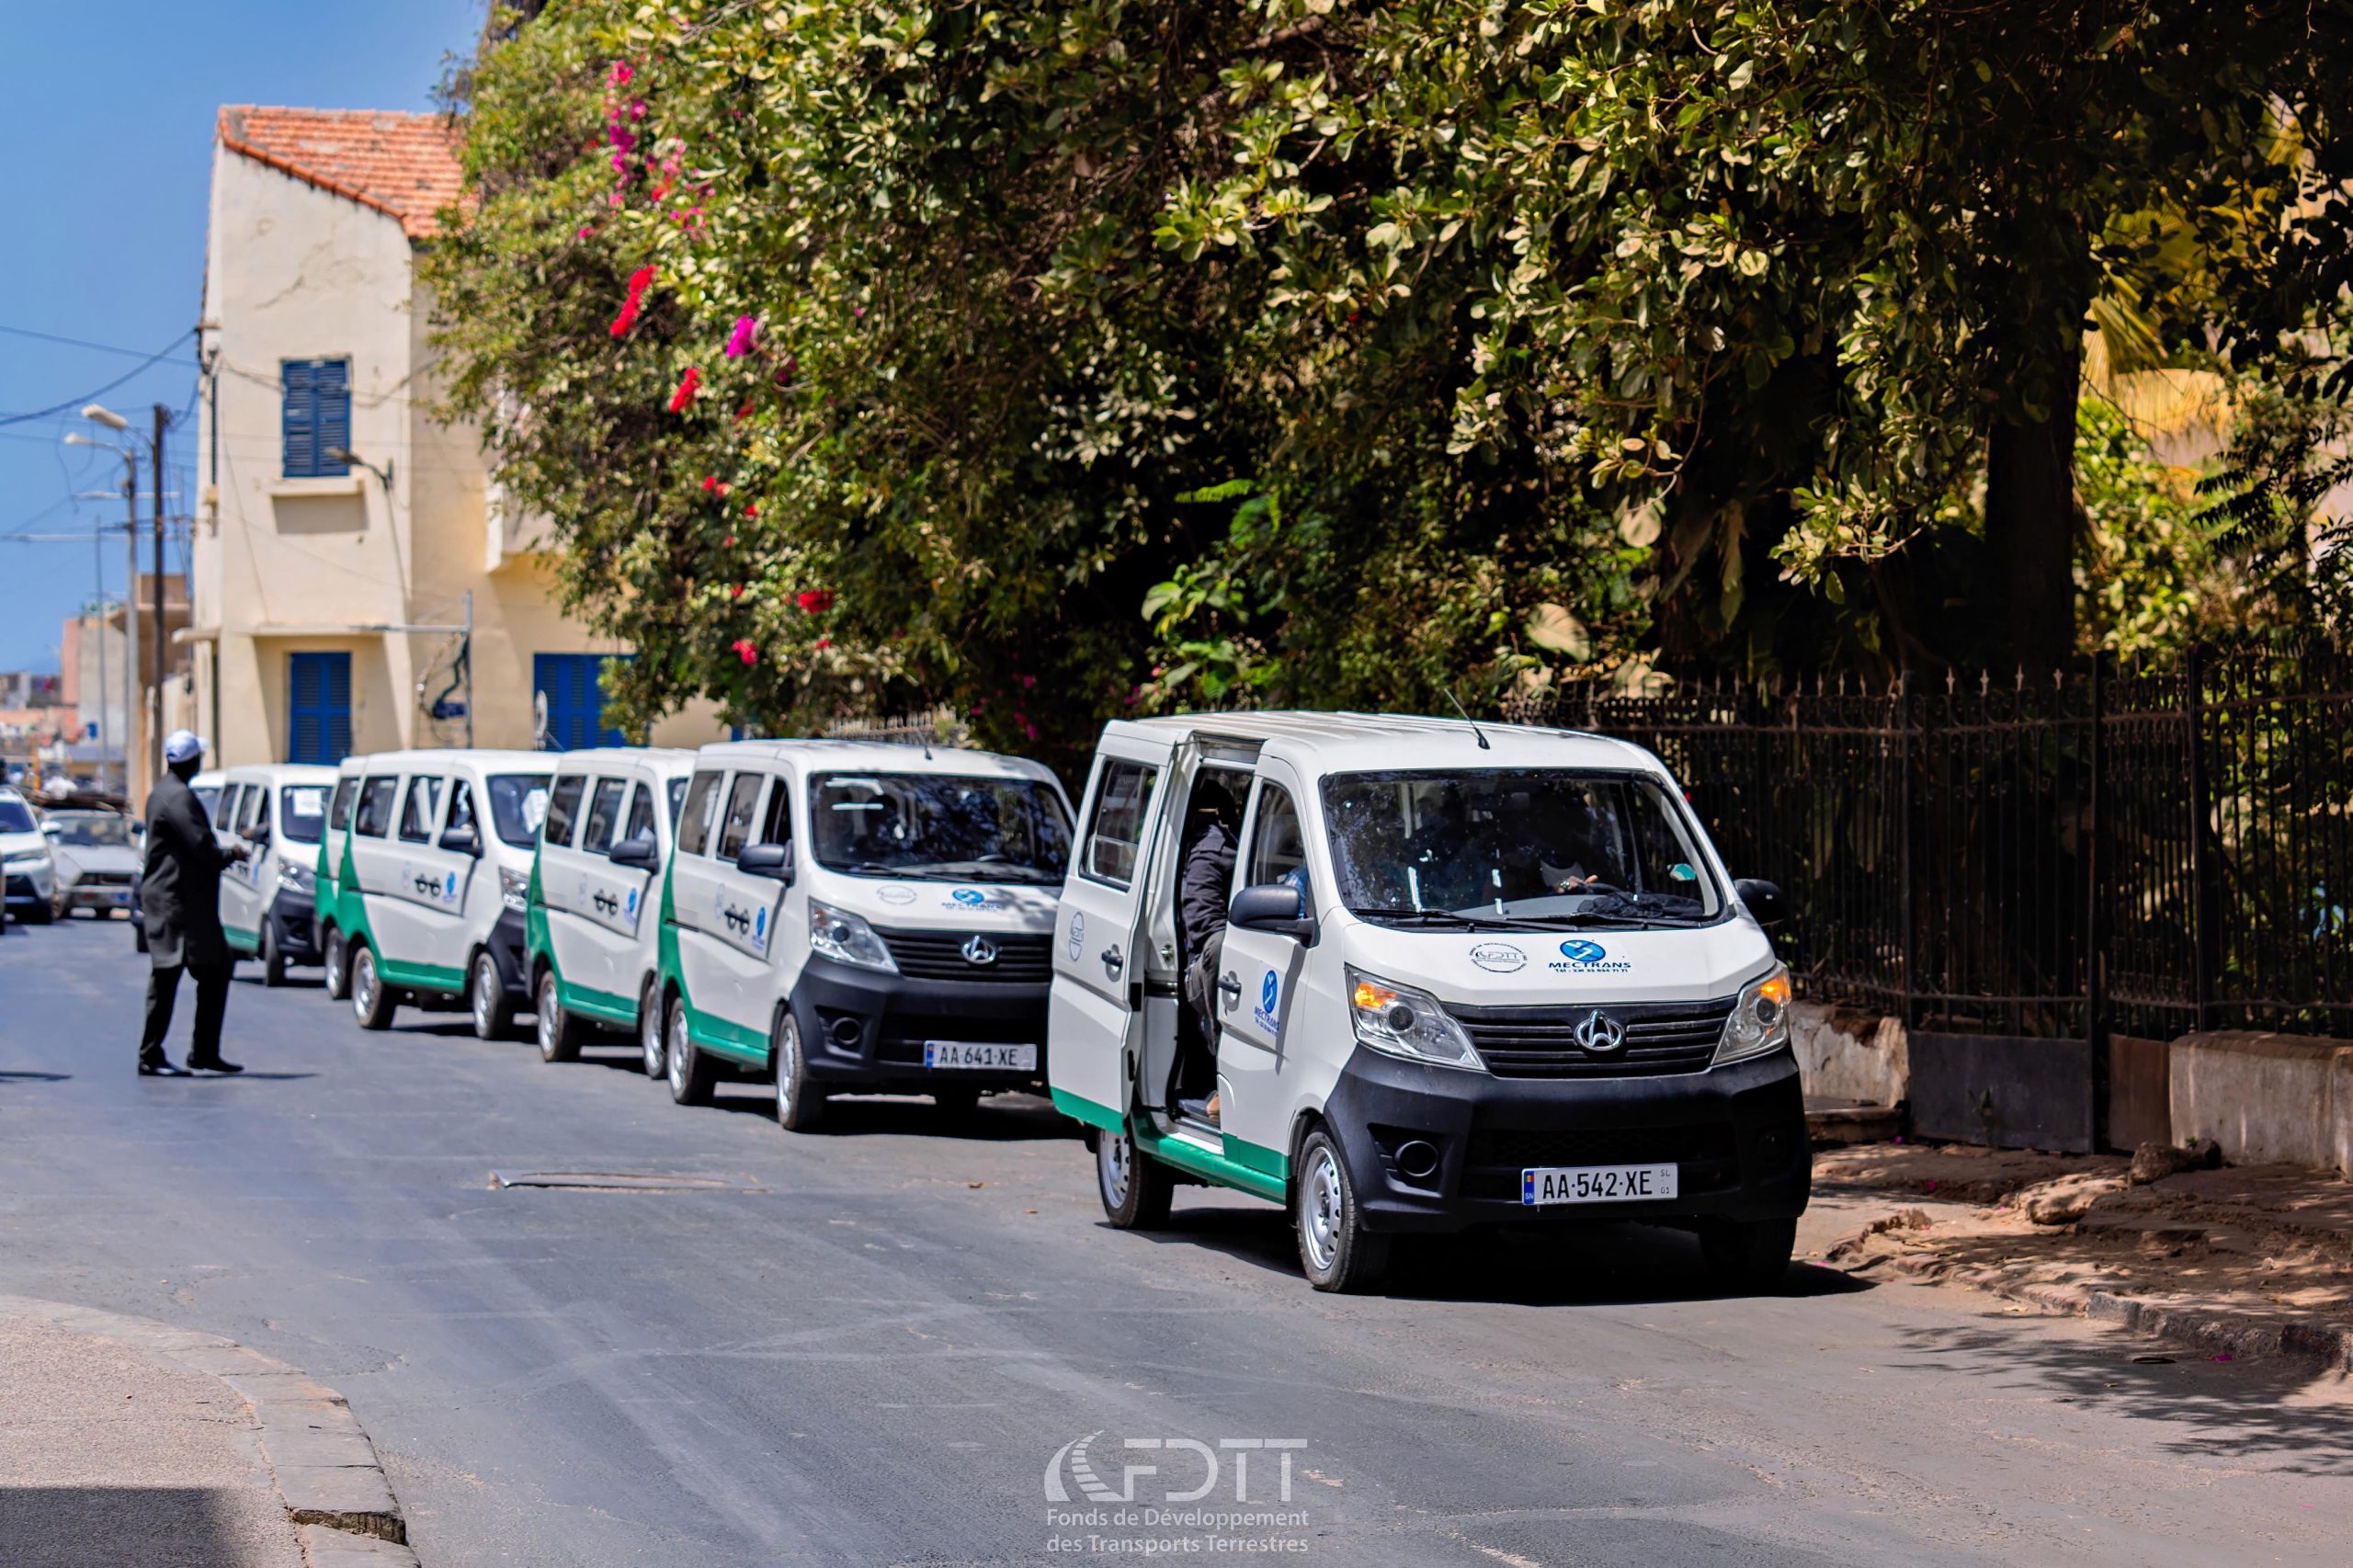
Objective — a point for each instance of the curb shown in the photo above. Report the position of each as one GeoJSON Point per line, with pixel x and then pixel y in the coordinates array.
{"type": "Point", "coordinates": [2330, 1344]}
{"type": "Point", "coordinates": [328, 1474]}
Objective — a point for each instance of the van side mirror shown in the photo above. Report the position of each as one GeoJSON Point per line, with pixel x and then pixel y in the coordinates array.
{"type": "Point", "coordinates": [1764, 900]}
{"type": "Point", "coordinates": [639, 853]}
{"type": "Point", "coordinates": [51, 830]}
{"type": "Point", "coordinates": [772, 860]}
{"type": "Point", "coordinates": [461, 840]}
{"type": "Point", "coordinates": [1278, 907]}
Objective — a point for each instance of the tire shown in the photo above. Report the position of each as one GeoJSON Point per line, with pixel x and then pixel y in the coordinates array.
{"type": "Point", "coordinates": [559, 1031]}
{"type": "Point", "coordinates": [1748, 1255]}
{"type": "Point", "coordinates": [649, 1028]}
{"type": "Point", "coordinates": [800, 1102]}
{"type": "Point", "coordinates": [41, 914]}
{"type": "Point", "coordinates": [371, 999]}
{"type": "Point", "coordinates": [493, 1014]}
{"type": "Point", "coordinates": [1135, 1189]}
{"type": "Point", "coordinates": [690, 1075]}
{"type": "Point", "coordinates": [337, 961]}
{"type": "Point", "coordinates": [957, 1102]}
{"type": "Point", "coordinates": [1335, 1249]}
{"type": "Point", "coordinates": [273, 962]}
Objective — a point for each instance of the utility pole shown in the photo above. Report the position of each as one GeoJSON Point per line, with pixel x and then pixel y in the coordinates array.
{"type": "Point", "coordinates": [163, 656]}
{"type": "Point", "coordinates": [130, 626]}
{"type": "Point", "coordinates": [98, 605]}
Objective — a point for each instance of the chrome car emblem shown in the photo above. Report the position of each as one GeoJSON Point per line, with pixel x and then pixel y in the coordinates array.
{"type": "Point", "coordinates": [1600, 1034]}
{"type": "Point", "coordinates": [978, 950]}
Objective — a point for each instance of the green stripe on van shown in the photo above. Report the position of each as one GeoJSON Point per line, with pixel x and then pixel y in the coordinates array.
{"type": "Point", "coordinates": [1087, 1111]}
{"type": "Point", "coordinates": [241, 939]}
{"type": "Point", "coordinates": [592, 1004]}
{"type": "Point", "coordinates": [420, 976]}
{"type": "Point", "coordinates": [1189, 1156]}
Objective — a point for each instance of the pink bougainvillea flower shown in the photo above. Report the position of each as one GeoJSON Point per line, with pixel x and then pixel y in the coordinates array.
{"type": "Point", "coordinates": [620, 74]}
{"type": "Point", "coordinates": [825, 642]}
{"type": "Point", "coordinates": [731, 541]}
{"type": "Point", "coordinates": [744, 413]}
{"type": "Point", "coordinates": [736, 592]}
{"type": "Point", "coordinates": [857, 312]}
{"type": "Point", "coordinates": [711, 482]}
{"type": "Point", "coordinates": [739, 342]}
{"type": "Point", "coordinates": [637, 109]}
{"type": "Point", "coordinates": [639, 282]}
{"type": "Point", "coordinates": [689, 384]}
{"type": "Point", "coordinates": [1028, 682]}
{"type": "Point", "coordinates": [817, 601]}
{"type": "Point", "coordinates": [586, 230]}
{"type": "Point", "coordinates": [751, 508]}
{"type": "Point", "coordinates": [746, 649]}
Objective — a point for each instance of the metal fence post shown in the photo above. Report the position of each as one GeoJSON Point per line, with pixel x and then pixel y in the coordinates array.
{"type": "Point", "coordinates": [2094, 931]}
{"type": "Point", "coordinates": [2201, 972]}
{"type": "Point", "coordinates": [1903, 836]}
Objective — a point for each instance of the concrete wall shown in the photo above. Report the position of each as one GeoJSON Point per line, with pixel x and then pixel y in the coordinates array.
{"type": "Point", "coordinates": [2266, 1098]}
{"type": "Point", "coordinates": [1848, 1055]}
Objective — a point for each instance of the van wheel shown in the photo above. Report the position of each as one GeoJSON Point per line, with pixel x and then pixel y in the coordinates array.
{"type": "Point", "coordinates": [1135, 1187]}
{"type": "Point", "coordinates": [337, 960]}
{"type": "Point", "coordinates": [559, 1031]}
{"type": "Point", "coordinates": [371, 1000]}
{"type": "Point", "coordinates": [1335, 1248]}
{"type": "Point", "coordinates": [273, 962]}
{"type": "Point", "coordinates": [691, 1077]}
{"type": "Point", "coordinates": [649, 1028]}
{"type": "Point", "coordinates": [957, 1102]}
{"type": "Point", "coordinates": [800, 1103]}
{"type": "Point", "coordinates": [1747, 1255]}
{"type": "Point", "coordinates": [487, 999]}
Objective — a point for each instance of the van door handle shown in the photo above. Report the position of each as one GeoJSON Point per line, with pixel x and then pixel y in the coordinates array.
{"type": "Point", "coordinates": [1113, 960]}
{"type": "Point", "coordinates": [1230, 987]}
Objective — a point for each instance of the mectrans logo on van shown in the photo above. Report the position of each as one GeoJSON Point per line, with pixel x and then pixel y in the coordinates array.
{"type": "Point", "coordinates": [1580, 956]}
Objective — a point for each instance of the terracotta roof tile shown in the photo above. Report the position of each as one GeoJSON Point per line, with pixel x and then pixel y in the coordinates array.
{"type": "Point", "coordinates": [402, 164]}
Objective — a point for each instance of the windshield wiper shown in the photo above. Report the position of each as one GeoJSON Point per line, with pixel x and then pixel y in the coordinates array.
{"type": "Point", "coordinates": [1624, 922]}
{"type": "Point", "coordinates": [1449, 917]}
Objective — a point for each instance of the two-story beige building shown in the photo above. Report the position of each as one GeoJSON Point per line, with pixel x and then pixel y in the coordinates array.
{"type": "Point", "coordinates": [353, 586]}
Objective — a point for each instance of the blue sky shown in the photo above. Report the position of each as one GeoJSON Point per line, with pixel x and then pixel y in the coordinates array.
{"type": "Point", "coordinates": [114, 107]}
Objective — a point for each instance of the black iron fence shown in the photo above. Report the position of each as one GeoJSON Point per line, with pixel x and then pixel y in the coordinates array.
{"type": "Point", "coordinates": [2131, 851]}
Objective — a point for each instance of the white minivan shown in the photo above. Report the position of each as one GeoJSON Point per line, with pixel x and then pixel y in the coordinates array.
{"type": "Point", "coordinates": [593, 924]}
{"type": "Point", "coordinates": [280, 810]}
{"type": "Point", "coordinates": [1473, 974]}
{"type": "Point", "coordinates": [431, 858]}
{"type": "Point", "coordinates": [848, 915]}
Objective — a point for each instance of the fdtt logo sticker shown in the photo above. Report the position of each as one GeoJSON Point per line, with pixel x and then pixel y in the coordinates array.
{"type": "Point", "coordinates": [1579, 956]}
{"type": "Point", "coordinates": [1268, 1015]}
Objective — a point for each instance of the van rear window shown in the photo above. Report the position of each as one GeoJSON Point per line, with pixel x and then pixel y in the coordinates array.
{"type": "Point", "coordinates": [302, 811]}
{"type": "Point", "coordinates": [373, 819]}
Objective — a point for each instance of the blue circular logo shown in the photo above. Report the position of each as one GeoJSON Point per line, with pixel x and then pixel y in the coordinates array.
{"type": "Point", "coordinates": [1267, 993]}
{"type": "Point", "coordinates": [450, 889]}
{"type": "Point", "coordinates": [1577, 950]}
{"type": "Point", "coordinates": [970, 897]}
{"type": "Point", "coordinates": [759, 923]}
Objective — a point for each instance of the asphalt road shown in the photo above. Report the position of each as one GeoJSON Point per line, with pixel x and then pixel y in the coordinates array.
{"type": "Point", "coordinates": [872, 1344]}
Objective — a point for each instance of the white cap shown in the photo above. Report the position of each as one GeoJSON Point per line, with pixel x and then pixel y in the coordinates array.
{"type": "Point", "coordinates": [181, 745]}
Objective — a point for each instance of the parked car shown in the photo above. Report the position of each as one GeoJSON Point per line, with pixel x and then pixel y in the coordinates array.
{"type": "Point", "coordinates": [98, 856]}
{"type": "Point", "coordinates": [28, 866]}
{"type": "Point", "coordinates": [1473, 975]}
{"type": "Point", "coordinates": [279, 811]}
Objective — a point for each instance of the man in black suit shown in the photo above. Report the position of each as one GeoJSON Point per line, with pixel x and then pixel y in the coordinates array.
{"type": "Point", "coordinates": [179, 894]}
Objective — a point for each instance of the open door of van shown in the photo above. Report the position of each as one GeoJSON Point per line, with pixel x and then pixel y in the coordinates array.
{"type": "Point", "coordinates": [1095, 1018]}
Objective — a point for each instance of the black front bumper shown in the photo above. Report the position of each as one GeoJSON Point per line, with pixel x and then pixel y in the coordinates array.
{"type": "Point", "coordinates": [21, 889]}
{"type": "Point", "coordinates": [867, 1031]}
{"type": "Point", "coordinates": [294, 920]}
{"type": "Point", "coordinates": [506, 950]}
{"type": "Point", "coordinates": [1736, 1135]}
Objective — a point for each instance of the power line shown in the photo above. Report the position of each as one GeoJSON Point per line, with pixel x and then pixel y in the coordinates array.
{"type": "Point", "coordinates": [55, 409]}
{"type": "Point", "coordinates": [77, 342]}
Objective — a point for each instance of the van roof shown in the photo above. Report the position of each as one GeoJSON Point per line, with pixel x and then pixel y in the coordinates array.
{"type": "Point", "coordinates": [676, 758]}
{"type": "Point", "coordinates": [298, 772]}
{"type": "Point", "coordinates": [1341, 742]}
{"type": "Point", "coordinates": [505, 761]}
{"type": "Point", "coordinates": [877, 757]}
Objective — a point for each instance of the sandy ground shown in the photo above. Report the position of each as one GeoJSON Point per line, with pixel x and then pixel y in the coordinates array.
{"type": "Point", "coordinates": [111, 1459]}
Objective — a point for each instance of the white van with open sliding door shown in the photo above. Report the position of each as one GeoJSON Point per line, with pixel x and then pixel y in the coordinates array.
{"type": "Point", "coordinates": [847, 917]}
{"type": "Point", "coordinates": [279, 810]}
{"type": "Point", "coordinates": [592, 926]}
{"type": "Point", "coordinates": [1468, 975]}
{"type": "Point", "coordinates": [436, 864]}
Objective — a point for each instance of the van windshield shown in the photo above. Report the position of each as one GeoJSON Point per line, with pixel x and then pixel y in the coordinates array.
{"type": "Point", "coordinates": [302, 811]}
{"type": "Point", "coordinates": [1546, 847]}
{"type": "Point", "coordinates": [937, 825]}
{"type": "Point", "coordinates": [518, 803]}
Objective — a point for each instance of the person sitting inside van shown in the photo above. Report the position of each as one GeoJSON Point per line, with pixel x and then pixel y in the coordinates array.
{"type": "Point", "coordinates": [1208, 861]}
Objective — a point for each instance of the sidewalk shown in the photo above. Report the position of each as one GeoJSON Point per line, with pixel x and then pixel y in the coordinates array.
{"type": "Point", "coordinates": [2253, 1260]}
{"type": "Point", "coordinates": [128, 1442]}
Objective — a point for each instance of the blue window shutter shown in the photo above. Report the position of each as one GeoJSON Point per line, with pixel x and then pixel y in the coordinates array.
{"type": "Point", "coordinates": [319, 708]}
{"type": "Point", "coordinates": [575, 701]}
{"type": "Point", "coordinates": [316, 418]}
{"type": "Point", "coordinates": [300, 426]}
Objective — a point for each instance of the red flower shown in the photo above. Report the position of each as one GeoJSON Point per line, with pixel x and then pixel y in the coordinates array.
{"type": "Point", "coordinates": [825, 642]}
{"type": "Point", "coordinates": [731, 541]}
{"type": "Point", "coordinates": [688, 386]}
{"type": "Point", "coordinates": [639, 282]}
{"type": "Point", "coordinates": [736, 592]}
{"type": "Point", "coordinates": [711, 482]}
{"type": "Point", "coordinates": [746, 649]}
{"type": "Point", "coordinates": [752, 509]}
{"type": "Point", "coordinates": [817, 601]}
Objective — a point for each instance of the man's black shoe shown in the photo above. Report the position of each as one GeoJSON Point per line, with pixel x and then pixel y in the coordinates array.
{"type": "Point", "coordinates": [161, 1070]}
{"type": "Point", "coordinates": [218, 1064]}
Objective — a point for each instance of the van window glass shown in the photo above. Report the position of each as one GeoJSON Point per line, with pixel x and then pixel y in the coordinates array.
{"type": "Point", "coordinates": [1115, 836]}
{"type": "Point", "coordinates": [302, 811]}
{"type": "Point", "coordinates": [461, 807]}
{"type": "Point", "coordinates": [1277, 843]}
{"type": "Point", "coordinates": [373, 817]}
{"type": "Point", "coordinates": [255, 812]}
{"type": "Point", "coordinates": [563, 809]}
{"type": "Point", "coordinates": [736, 827]}
{"type": "Point", "coordinates": [339, 811]}
{"type": "Point", "coordinates": [641, 814]}
{"type": "Point", "coordinates": [677, 791]}
{"type": "Point", "coordinates": [945, 826]}
{"type": "Point", "coordinates": [694, 820]}
{"type": "Point", "coordinates": [1564, 849]}
{"type": "Point", "coordinates": [776, 825]}
{"type": "Point", "coordinates": [224, 817]}
{"type": "Point", "coordinates": [604, 816]}
{"type": "Point", "coordinates": [420, 811]}
{"type": "Point", "coordinates": [518, 802]}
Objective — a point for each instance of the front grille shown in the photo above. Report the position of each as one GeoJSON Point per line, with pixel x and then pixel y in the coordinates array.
{"type": "Point", "coordinates": [103, 879]}
{"type": "Point", "coordinates": [939, 955]}
{"type": "Point", "coordinates": [901, 1041]}
{"type": "Point", "coordinates": [1707, 1155]}
{"type": "Point", "coordinates": [1540, 1042]}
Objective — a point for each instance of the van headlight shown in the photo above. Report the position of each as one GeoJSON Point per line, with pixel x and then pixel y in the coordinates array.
{"type": "Point", "coordinates": [838, 935]}
{"type": "Point", "coordinates": [1760, 1019]}
{"type": "Point", "coordinates": [514, 887]}
{"type": "Point", "coordinates": [1398, 1020]}
{"type": "Point", "coordinates": [294, 877]}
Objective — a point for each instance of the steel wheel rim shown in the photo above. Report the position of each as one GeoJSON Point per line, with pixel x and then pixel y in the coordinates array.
{"type": "Point", "coordinates": [1115, 1165]}
{"type": "Point", "coordinates": [334, 963]}
{"type": "Point", "coordinates": [678, 1053]}
{"type": "Point", "coordinates": [363, 984]}
{"type": "Point", "coordinates": [1321, 1209]}
{"type": "Point", "coordinates": [481, 996]}
{"type": "Point", "coordinates": [546, 1013]}
{"type": "Point", "coordinates": [649, 1034]}
{"type": "Point", "coordinates": [788, 1062]}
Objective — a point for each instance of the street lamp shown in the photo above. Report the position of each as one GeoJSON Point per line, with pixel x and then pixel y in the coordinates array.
{"type": "Point", "coordinates": [345, 455]}
{"type": "Point", "coordinates": [97, 414]}
{"type": "Point", "coordinates": [100, 413]}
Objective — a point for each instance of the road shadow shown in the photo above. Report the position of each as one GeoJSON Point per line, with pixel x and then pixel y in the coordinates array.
{"type": "Point", "coordinates": [102, 1527]}
{"type": "Point", "coordinates": [1533, 1265]}
{"type": "Point", "coordinates": [998, 1119]}
{"type": "Point", "coordinates": [28, 1077]}
{"type": "Point", "coordinates": [2245, 1408]}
